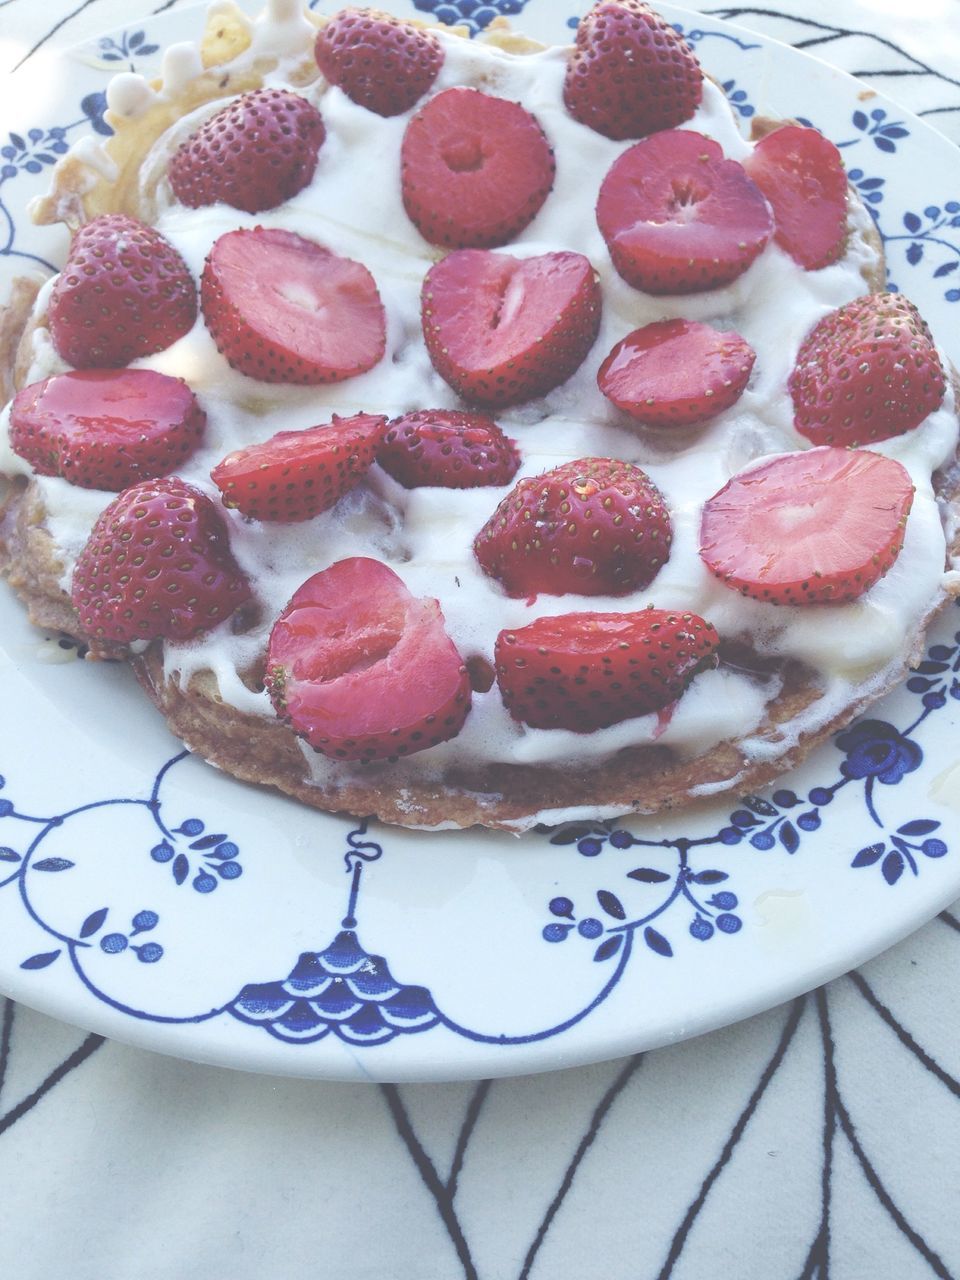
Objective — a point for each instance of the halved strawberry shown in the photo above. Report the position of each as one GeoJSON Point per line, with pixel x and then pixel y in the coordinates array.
{"type": "Point", "coordinates": [502, 330]}
{"type": "Point", "coordinates": [594, 527]}
{"type": "Point", "coordinates": [447, 449]}
{"type": "Point", "coordinates": [679, 218]}
{"type": "Point", "coordinates": [866, 372]}
{"type": "Point", "coordinates": [157, 563]}
{"type": "Point", "coordinates": [631, 73]}
{"type": "Point", "coordinates": [362, 669]}
{"type": "Point", "coordinates": [818, 527]}
{"type": "Point", "coordinates": [124, 292]}
{"type": "Point", "coordinates": [254, 154]}
{"type": "Point", "coordinates": [802, 175]}
{"type": "Point", "coordinates": [475, 170]}
{"type": "Point", "coordinates": [378, 61]}
{"type": "Point", "coordinates": [676, 372]}
{"type": "Point", "coordinates": [585, 671]}
{"type": "Point", "coordinates": [297, 474]}
{"type": "Point", "coordinates": [106, 428]}
{"type": "Point", "coordinates": [284, 309]}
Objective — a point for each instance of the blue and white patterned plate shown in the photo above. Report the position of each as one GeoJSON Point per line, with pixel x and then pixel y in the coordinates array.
{"type": "Point", "coordinates": [148, 897]}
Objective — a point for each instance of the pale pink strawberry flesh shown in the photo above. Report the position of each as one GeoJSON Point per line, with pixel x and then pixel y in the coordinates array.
{"type": "Point", "coordinates": [364, 670]}
{"type": "Point", "coordinates": [802, 176]}
{"type": "Point", "coordinates": [803, 528]}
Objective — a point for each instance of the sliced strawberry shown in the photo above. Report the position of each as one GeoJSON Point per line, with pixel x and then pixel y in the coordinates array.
{"type": "Point", "coordinates": [447, 449]}
{"type": "Point", "coordinates": [157, 563]}
{"type": "Point", "coordinates": [818, 527]}
{"type": "Point", "coordinates": [866, 372]}
{"type": "Point", "coordinates": [676, 372]}
{"type": "Point", "coordinates": [679, 218]}
{"type": "Point", "coordinates": [124, 292]}
{"type": "Point", "coordinates": [257, 152]}
{"type": "Point", "coordinates": [585, 671]}
{"type": "Point", "coordinates": [475, 170]}
{"type": "Point", "coordinates": [802, 175]}
{"type": "Point", "coordinates": [502, 330]}
{"type": "Point", "coordinates": [297, 474]}
{"type": "Point", "coordinates": [106, 428]}
{"type": "Point", "coordinates": [631, 73]}
{"type": "Point", "coordinates": [362, 669]}
{"type": "Point", "coordinates": [378, 61]}
{"type": "Point", "coordinates": [284, 309]}
{"type": "Point", "coordinates": [594, 527]}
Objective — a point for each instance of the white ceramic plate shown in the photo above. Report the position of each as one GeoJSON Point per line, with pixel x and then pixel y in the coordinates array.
{"type": "Point", "coordinates": [146, 896]}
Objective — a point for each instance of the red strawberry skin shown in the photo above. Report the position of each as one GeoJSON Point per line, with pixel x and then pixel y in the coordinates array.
{"type": "Point", "coordinates": [501, 330]}
{"type": "Point", "coordinates": [285, 309]}
{"type": "Point", "coordinates": [817, 527]}
{"type": "Point", "coordinates": [594, 527]}
{"type": "Point", "coordinates": [630, 74]}
{"type": "Point", "coordinates": [678, 217]}
{"type": "Point", "coordinates": [362, 669]}
{"type": "Point", "coordinates": [253, 155]}
{"type": "Point", "coordinates": [157, 563]}
{"type": "Point", "coordinates": [379, 62]}
{"type": "Point", "coordinates": [106, 428]}
{"type": "Point", "coordinates": [448, 449]}
{"type": "Point", "coordinates": [676, 373]}
{"type": "Point", "coordinates": [802, 176]}
{"type": "Point", "coordinates": [124, 292]}
{"type": "Point", "coordinates": [475, 170]}
{"type": "Point", "coordinates": [866, 372]}
{"type": "Point", "coordinates": [296, 475]}
{"type": "Point", "coordinates": [586, 671]}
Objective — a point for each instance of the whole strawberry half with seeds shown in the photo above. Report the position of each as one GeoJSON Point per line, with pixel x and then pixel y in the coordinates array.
{"type": "Point", "coordinates": [475, 170]}
{"type": "Point", "coordinates": [157, 563]}
{"type": "Point", "coordinates": [586, 671]}
{"type": "Point", "coordinates": [501, 330]}
{"type": "Point", "coordinates": [362, 669]}
{"type": "Point", "coordinates": [448, 449]}
{"type": "Point", "coordinates": [282, 308]}
{"type": "Point", "coordinates": [593, 527]}
{"type": "Point", "coordinates": [817, 527]}
{"type": "Point", "coordinates": [378, 61]}
{"type": "Point", "coordinates": [296, 475]}
{"type": "Point", "coordinates": [866, 372]}
{"type": "Point", "coordinates": [123, 293]}
{"type": "Point", "coordinates": [680, 218]}
{"type": "Point", "coordinates": [106, 428]}
{"type": "Point", "coordinates": [630, 74]}
{"type": "Point", "coordinates": [253, 155]}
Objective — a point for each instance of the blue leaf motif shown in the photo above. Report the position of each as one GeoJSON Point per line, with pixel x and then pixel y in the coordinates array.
{"type": "Point", "coordinates": [709, 877]}
{"type": "Point", "coordinates": [41, 961]}
{"type": "Point", "coordinates": [208, 842]}
{"type": "Point", "coordinates": [763, 807]}
{"type": "Point", "coordinates": [895, 131]}
{"type": "Point", "coordinates": [657, 942]}
{"type": "Point", "coordinates": [860, 120]}
{"type": "Point", "coordinates": [52, 864]}
{"type": "Point", "coordinates": [892, 867]}
{"type": "Point", "coordinates": [867, 857]}
{"type": "Point", "coordinates": [9, 855]}
{"type": "Point", "coordinates": [147, 49]}
{"type": "Point", "coordinates": [911, 222]}
{"type": "Point", "coordinates": [914, 253]}
{"type": "Point", "coordinates": [609, 947]}
{"type": "Point", "coordinates": [884, 144]}
{"type": "Point", "coordinates": [647, 875]}
{"type": "Point", "coordinates": [789, 838]}
{"type": "Point", "coordinates": [919, 827]}
{"type": "Point", "coordinates": [181, 868]}
{"type": "Point", "coordinates": [93, 922]}
{"type": "Point", "coordinates": [135, 40]}
{"type": "Point", "coordinates": [945, 270]}
{"type": "Point", "coordinates": [611, 904]}
{"type": "Point", "coordinates": [18, 142]}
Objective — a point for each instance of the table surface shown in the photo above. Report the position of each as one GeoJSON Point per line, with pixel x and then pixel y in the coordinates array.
{"type": "Point", "coordinates": [820, 1141]}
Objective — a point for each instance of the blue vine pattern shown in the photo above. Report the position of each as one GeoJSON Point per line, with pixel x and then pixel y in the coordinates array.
{"type": "Point", "coordinates": [126, 48]}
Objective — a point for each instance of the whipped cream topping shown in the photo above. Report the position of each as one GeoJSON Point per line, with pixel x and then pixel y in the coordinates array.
{"type": "Point", "coordinates": [354, 208]}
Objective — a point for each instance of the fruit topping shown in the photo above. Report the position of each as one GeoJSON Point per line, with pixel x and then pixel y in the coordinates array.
{"type": "Point", "coordinates": [254, 154]}
{"type": "Point", "coordinates": [378, 61]}
{"type": "Point", "coordinates": [447, 449]}
{"type": "Point", "coordinates": [819, 527]}
{"type": "Point", "coordinates": [866, 372]}
{"type": "Point", "coordinates": [801, 174]}
{"type": "Point", "coordinates": [157, 563]}
{"type": "Point", "coordinates": [585, 671]}
{"type": "Point", "coordinates": [678, 217]}
{"type": "Point", "coordinates": [593, 527]}
{"type": "Point", "coordinates": [631, 73]}
{"type": "Point", "coordinates": [676, 372]}
{"type": "Point", "coordinates": [362, 669]}
{"type": "Point", "coordinates": [475, 170]}
{"type": "Point", "coordinates": [124, 292]}
{"type": "Point", "coordinates": [501, 330]}
{"type": "Point", "coordinates": [284, 309]}
{"type": "Point", "coordinates": [106, 428]}
{"type": "Point", "coordinates": [297, 474]}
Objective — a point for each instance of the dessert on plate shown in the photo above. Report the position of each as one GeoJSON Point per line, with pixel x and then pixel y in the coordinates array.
{"type": "Point", "coordinates": [474, 432]}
